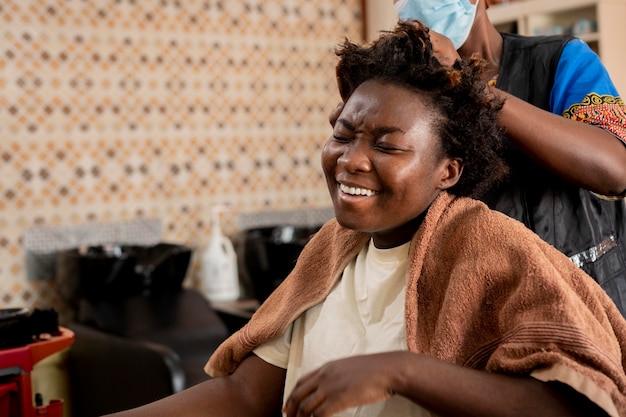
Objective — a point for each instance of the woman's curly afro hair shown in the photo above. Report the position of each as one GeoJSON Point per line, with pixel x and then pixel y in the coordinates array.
{"type": "Point", "coordinates": [465, 113]}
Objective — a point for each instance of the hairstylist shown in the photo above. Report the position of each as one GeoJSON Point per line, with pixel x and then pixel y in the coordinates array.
{"type": "Point", "coordinates": [567, 178]}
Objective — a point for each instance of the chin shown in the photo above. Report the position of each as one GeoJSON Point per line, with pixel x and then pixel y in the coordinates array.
{"type": "Point", "coordinates": [350, 221]}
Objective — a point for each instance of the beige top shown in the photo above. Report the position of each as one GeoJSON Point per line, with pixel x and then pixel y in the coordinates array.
{"type": "Point", "coordinates": [364, 313]}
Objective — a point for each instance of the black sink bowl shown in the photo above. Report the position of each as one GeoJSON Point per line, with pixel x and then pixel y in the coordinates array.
{"type": "Point", "coordinates": [116, 272]}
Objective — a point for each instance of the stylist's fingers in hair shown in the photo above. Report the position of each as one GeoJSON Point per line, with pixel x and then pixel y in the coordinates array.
{"type": "Point", "coordinates": [443, 48]}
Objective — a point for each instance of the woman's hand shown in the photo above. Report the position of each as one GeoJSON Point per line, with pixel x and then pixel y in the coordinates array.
{"type": "Point", "coordinates": [342, 384]}
{"type": "Point", "coordinates": [444, 388]}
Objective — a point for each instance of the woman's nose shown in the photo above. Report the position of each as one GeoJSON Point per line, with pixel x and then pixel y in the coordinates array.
{"type": "Point", "coordinates": [355, 158]}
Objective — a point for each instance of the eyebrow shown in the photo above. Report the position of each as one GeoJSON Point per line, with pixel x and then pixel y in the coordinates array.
{"type": "Point", "coordinates": [378, 131]}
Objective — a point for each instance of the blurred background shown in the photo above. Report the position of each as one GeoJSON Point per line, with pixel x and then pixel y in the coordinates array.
{"type": "Point", "coordinates": [120, 110]}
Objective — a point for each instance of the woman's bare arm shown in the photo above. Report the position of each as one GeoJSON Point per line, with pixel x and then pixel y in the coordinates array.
{"type": "Point", "coordinates": [441, 387]}
{"type": "Point", "coordinates": [254, 389]}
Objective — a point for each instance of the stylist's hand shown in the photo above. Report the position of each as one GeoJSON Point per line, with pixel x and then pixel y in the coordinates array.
{"type": "Point", "coordinates": [342, 384]}
{"type": "Point", "coordinates": [443, 49]}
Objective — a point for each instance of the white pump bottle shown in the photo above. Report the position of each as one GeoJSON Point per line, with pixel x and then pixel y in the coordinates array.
{"type": "Point", "coordinates": [220, 277]}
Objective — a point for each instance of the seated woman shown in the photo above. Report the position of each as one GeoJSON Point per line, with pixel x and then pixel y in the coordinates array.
{"type": "Point", "coordinates": [417, 300]}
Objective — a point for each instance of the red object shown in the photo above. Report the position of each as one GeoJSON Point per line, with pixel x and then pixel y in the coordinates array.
{"type": "Point", "coordinates": [16, 364]}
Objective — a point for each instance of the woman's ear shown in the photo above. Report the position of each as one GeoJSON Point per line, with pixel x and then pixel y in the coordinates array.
{"type": "Point", "coordinates": [451, 173]}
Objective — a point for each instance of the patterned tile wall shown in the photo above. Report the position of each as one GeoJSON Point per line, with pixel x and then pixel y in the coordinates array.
{"type": "Point", "coordinates": [121, 109]}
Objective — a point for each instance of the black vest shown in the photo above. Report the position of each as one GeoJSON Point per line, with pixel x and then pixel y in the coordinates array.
{"type": "Point", "coordinates": [580, 224]}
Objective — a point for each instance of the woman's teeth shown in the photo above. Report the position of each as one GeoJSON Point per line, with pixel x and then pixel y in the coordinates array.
{"type": "Point", "coordinates": [356, 191]}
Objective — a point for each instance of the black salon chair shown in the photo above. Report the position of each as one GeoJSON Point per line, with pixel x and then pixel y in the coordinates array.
{"type": "Point", "coordinates": [139, 342]}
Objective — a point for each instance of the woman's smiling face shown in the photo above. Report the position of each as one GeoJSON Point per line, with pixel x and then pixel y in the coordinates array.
{"type": "Point", "coordinates": [384, 164]}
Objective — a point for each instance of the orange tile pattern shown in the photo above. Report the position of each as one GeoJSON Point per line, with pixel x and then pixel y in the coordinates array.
{"type": "Point", "coordinates": [121, 109]}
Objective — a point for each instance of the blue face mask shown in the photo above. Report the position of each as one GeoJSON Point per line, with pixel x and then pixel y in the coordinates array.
{"type": "Point", "coordinates": [451, 18]}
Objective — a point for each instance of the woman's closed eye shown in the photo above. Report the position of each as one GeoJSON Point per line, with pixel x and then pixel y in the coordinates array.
{"type": "Point", "coordinates": [387, 147]}
{"type": "Point", "coordinates": [340, 138]}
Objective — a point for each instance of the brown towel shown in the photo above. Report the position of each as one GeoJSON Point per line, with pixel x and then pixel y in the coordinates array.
{"type": "Point", "coordinates": [483, 291]}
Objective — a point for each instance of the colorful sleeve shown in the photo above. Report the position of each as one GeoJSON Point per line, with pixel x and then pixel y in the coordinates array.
{"type": "Point", "coordinates": [583, 90]}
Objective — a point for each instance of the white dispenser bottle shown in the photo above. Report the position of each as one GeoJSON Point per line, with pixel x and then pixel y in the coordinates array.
{"type": "Point", "coordinates": [220, 277]}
